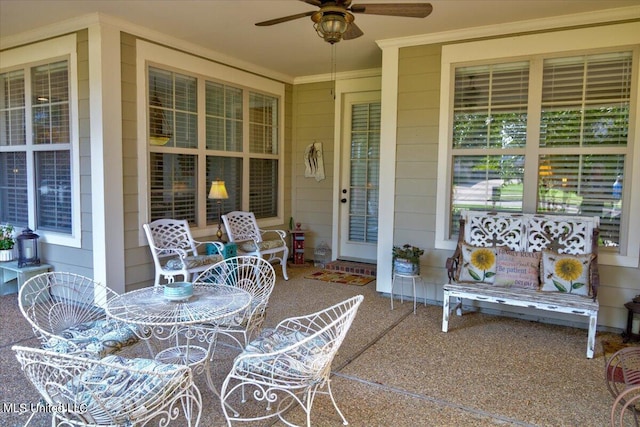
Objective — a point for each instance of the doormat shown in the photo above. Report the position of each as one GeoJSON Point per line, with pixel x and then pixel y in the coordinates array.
{"type": "Point", "coordinates": [340, 277]}
{"type": "Point", "coordinates": [352, 267]}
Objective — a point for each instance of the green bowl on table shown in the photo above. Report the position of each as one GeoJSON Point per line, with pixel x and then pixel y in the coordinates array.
{"type": "Point", "coordinates": [178, 291]}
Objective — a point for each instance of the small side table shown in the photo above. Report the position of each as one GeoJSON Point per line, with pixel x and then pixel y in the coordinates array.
{"type": "Point", "coordinates": [13, 277]}
{"type": "Point", "coordinates": [402, 277]}
{"type": "Point", "coordinates": [633, 331]}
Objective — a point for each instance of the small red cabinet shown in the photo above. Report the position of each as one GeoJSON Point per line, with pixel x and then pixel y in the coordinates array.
{"type": "Point", "coordinates": [297, 246]}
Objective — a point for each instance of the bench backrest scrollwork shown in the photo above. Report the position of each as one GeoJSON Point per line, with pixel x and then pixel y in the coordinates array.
{"type": "Point", "coordinates": [566, 234]}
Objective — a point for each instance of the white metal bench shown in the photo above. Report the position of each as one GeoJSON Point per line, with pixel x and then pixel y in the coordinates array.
{"type": "Point", "coordinates": [568, 235]}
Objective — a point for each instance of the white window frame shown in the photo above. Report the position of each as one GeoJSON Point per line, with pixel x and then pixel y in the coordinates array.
{"type": "Point", "coordinates": [586, 40]}
{"type": "Point", "coordinates": [48, 51]}
{"type": "Point", "coordinates": [173, 60]}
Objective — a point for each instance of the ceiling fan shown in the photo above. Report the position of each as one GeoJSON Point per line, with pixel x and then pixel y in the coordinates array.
{"type": "Point", "coordinates": [334, 20]}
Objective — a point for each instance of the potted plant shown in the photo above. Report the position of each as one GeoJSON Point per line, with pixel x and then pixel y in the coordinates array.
{"type": "Point", "coordinates": [406, 259]}
{"type": "Point", "coordinates": [7, 241]}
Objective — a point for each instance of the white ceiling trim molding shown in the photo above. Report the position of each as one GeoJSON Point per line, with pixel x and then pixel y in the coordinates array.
{"type": "Point", "coordinates": [345, 75]}
{"type": "Point", "coordinates": [588, 18]}
{"type": "Point", "coordinates": [85, 21]}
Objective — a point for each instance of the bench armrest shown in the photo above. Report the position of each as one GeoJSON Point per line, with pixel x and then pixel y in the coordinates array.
{"type": "Point", "coordinates": [452, 264]}
{"type": "Point", "coordinates": [594, 276]}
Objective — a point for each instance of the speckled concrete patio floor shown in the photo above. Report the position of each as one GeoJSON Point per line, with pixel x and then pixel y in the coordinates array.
{"type": "Point", "coordinates": [398, 369]}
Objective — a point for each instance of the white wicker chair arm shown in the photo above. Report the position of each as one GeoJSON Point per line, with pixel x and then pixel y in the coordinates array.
{"type": "Point", "coordinates": [290, 349]}
{"type": "Point", "coordinates": [281, 233]}
{"type": "Point", "coordinates": [168, 251]}
{"type": "Point", "coordinates": [304, 361]}
{"type": "Point", "coordinates": [306, 324]}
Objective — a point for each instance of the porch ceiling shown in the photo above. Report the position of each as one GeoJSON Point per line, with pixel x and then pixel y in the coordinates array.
{"type": "Point", "coordinates": [287, 50]}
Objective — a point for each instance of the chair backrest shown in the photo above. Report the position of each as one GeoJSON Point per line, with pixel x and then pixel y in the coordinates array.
{"type": "Point", "coordinates": [324, 333]}
{"type": "Point", "coordinates": [111, 391]}
{"type": "Point", "coordinates": [251, 273]}
{"type": "Point", "coordinates": [54, 301]}
{"type": "Point", "coordinates": [167, 235]}
{"type": "Point", "coordinates": [241, 226]}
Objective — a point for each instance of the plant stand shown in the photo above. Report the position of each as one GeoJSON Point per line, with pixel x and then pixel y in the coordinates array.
{"type": "Point", "coordinates": [403, 277]}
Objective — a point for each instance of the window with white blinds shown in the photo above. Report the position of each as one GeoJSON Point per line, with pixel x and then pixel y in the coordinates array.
{"type": "Point", "coordinates": [364, 172]}
{"type": "Point", "coordinates": [239, 145]}
{"type": "Point", "coordinates": [489, 137]}
{"type": "Point", "coordinates": [584, 137]}
{"type": "Point", "coordinates": [565, 117]}
{"type": "Point", "coordinates": [35, 147]}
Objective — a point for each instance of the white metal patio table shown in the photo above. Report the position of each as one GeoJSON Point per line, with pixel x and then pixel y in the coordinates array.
{"type": "Point", "coordinates": [164, 319]}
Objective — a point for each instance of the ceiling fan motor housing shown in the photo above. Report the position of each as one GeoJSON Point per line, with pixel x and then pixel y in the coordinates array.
{"type": "Point", "coordinates": [331, 23]}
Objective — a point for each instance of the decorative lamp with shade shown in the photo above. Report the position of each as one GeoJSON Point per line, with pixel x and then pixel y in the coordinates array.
{"type": "Point", "coordinates": [218, 192]}
{"type": "Point", "coordinates": [28, 248]}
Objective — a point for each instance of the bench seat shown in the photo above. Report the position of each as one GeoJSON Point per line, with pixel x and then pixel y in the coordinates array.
{"type": "Point", "coordinates": [549, 301]}
{"type": "Point", "coordinates": [529, 233]}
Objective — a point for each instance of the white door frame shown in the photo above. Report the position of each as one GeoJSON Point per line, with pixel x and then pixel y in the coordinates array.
{"type": "Point", "coordinates": [346, 249]}
{"type": "Point", "coordinates": [342, 87]}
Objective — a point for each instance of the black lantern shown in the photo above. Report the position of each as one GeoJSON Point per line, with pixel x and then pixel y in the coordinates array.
{"type": "Point", "coordinates": [28, 248]}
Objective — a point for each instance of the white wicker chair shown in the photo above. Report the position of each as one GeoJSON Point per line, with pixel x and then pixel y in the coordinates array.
{"type": "Point", "coordinates": [256, 276]}
{"type": "Point", "coordinates": [114, 391]}
{"type": "Point", "coordinates": [66, 312]}
{"type": "Point", "coordinates": [242, 229]}
{"type": "Point", "coordinates": [289, 364]}
{"type": "Point", "coordinates": [175, 252]}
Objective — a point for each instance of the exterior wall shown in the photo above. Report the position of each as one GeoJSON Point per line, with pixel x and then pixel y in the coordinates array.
{"type": "Point", "coordinates": [139, 267]}
{"type": "Point", "coordinates": [65, 258]}
{"type": "Point", "coordinates": [417, 148]}
{"type": "Point", "coordinates": [417, 159]}
{"type": "Point", "coordinates": [309, 116]}
{"type": "Point", "coordinates": [288, 159]}
{"type": "Point", "coordinates": [312, 201]}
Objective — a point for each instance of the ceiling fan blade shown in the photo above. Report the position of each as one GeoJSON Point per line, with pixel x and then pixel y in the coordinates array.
{"type": "Point", "coordinates": [352, 32]}
{"type": "Point", "coordinates": [317, 3]}
{"type": "Point", "coordinates": [284, 19]}
{"type": "Point", "coordinates": [410, 10]}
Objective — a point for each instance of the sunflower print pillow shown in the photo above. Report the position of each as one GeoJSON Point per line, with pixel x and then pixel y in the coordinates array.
{"type": "Point", "coordinates": [478, 264]}
{"type": "Point", "coordinates": [566, 273]}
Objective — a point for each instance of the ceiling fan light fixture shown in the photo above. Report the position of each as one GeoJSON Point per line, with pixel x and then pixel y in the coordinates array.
{"type": "Point", "coordinates": [331, 24]}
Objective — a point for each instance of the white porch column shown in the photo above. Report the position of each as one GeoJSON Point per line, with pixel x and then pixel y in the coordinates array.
{"type": "Point", "coordinates": [388, 136]}
{"type": "Point", "coordinates": [106, 156]}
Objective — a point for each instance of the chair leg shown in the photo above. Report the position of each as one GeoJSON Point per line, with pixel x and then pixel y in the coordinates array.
{"type": "Point", "coordinates": [283, 263]}
{"type": "Point", "coordinates": [335, 405]}
{"type": "Point", "coordinates": [414, 295]}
